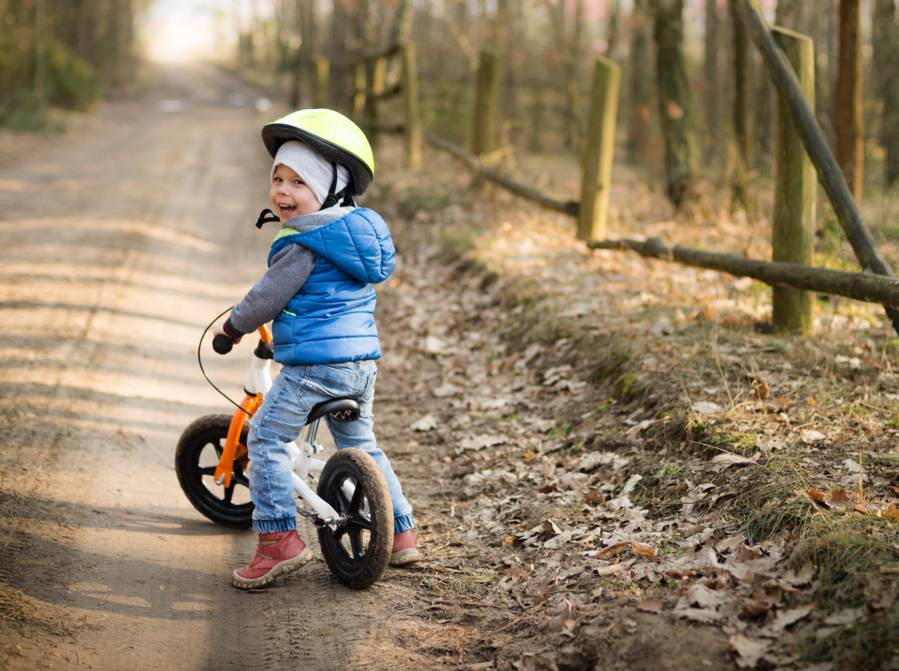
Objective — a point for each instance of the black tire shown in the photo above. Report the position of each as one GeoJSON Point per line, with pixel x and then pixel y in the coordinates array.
{"type": "Point", "coordinates": [210, 499]}
{"type": "Point", "coordinates": [358, 552]}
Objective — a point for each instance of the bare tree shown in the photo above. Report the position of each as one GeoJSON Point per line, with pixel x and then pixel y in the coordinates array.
{"type": "Point", "coordinates": [847, 108]}
{"type": "Point", "coordinates": [674, 99]}
{"type": "Point", "coordinates": [886, 58]}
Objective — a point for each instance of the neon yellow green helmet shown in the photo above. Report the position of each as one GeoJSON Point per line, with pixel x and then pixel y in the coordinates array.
{"type": "Point", "coordinates": [330, 133]}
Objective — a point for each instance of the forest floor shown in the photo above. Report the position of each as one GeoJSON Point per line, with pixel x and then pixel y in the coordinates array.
{"type": "Point", "coordinates": [614, 464]}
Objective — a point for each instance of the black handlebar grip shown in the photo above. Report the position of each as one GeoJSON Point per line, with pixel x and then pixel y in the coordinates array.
{"type": "Point", "coordinates": [222, 344]}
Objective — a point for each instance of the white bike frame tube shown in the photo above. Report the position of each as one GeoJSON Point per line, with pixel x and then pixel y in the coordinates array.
{"type": "Point", "coordinates": [319, 505]}
{"type": "Point", "coordinates": [259, 377]}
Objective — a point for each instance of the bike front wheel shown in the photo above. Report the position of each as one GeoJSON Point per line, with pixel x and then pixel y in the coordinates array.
{"type": "Point", "coordinates": [358, 551]}
{"type": "Point", "coordinates": [196, 457]}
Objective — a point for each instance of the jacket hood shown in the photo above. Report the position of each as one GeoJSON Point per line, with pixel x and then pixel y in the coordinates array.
{"type": "Point", "coordinates": [356, 240]}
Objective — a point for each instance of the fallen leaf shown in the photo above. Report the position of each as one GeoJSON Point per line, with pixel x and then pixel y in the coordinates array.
{"type": "Point", "coordinates": [615, 549]}
{"type": "Point", "coordinates": [749, 650]}
{"type": "Point", "coordinates": [593, 498]}
{"type": "Point", "coordinates": [426, 423]}
{"type": "Point", "coordinates": [706, 408]}
{"type": "Point", "coordinates": [852, 466]}
{"type": "Point", "coordinates": [643, 550]}
{"type": "Point", "coordinates": [445, 390]}
{"type": "Point", "coordinates": [700, 595]}
{"type": "Point", "coordinates": [818, 497]}
{"type": "Point", "coordinates": [754, 609]}
{"type": "Point", "coordinates": [434, 345]}
{"type": "Point", "coordinates": [650, 606]}
{"type": "Point", "coordinates": [704, 615]}
{"type": "Point", "coordinates": [891, 511]}
{"type": "Point", "coordinates": [725, 459]}
{"type": "Point", "coordinates": [787, 618]}
{"type": "Point", "coordinates": [846, 616]}
{"type": "Point", "coordinates": [811, 436]}
{"type": "Point", "coordinates": [839, 496]}
{"type": "Point", "coordinates": [480, 442]}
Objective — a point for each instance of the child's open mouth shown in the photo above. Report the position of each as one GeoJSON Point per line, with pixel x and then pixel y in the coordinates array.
{"type": "Point", "coordinates": [287, 210]}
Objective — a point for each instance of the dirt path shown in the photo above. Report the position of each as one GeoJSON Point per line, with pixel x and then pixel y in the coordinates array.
{"type": "Point", "coordinates": [119, 242]}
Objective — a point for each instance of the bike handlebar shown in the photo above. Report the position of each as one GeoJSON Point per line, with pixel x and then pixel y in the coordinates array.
{"type": "Point", "coordinates": [222, 344]}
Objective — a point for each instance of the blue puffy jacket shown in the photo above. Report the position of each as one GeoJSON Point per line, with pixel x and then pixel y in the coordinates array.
{"type": "Point", "coordinates": [331, 318]}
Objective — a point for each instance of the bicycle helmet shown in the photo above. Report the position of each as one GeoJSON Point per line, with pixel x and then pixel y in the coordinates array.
{"type": "Point", "coordinates": [333, 135]}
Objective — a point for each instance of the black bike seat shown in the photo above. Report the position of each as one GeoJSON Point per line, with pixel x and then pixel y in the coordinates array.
{"type": "Point", "coordinates": [340, 409]}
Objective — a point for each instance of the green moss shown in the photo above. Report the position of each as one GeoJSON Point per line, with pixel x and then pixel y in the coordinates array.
{"type": "Point", "coordinates": [559, 430]}
{"type": "Point", "coordinates": [628, 387]}
{"type": "Point", "coordinates": [610, 362]}
{"type": "Point", "coordinates": [869, 644]}
{"type": "Point", "coordinates": [667, 471]}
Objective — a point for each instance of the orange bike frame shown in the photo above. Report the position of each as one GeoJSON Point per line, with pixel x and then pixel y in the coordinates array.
{"type": "Point", "coordinates": [250, 404]}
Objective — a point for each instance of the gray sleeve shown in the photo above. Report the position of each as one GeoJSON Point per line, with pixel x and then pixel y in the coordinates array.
{"type": "Point", "coordinates": [289, 270]}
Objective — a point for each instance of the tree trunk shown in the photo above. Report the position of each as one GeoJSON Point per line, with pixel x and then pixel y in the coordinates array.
{"type": "Point", "coordinates": [674, 99]}
{"type": "Point", "coordinates": [848, 99]}
{"type": "Point", "coordinates": [743, 131]}
{"type": "Point", "coordinates": [886, 58]}
{"type": "Point", "coordinates": [789, 14]}
{"type": "Point", "coordinates": [640, 85]}
{"type": "Point", "coordinates": [613, 27]}
{"type": "Point", "coordinates": [711, 79]}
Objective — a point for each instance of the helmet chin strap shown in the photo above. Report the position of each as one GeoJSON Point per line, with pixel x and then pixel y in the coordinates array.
{"type": "Point", "coordinates": [344, 196]}
{"type": "Point", "coordinates": [266, 217]}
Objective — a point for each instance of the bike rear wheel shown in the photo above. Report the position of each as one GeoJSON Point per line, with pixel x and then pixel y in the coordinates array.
{"type": "Point", "coordinates": [198, 452]}
{"type": "Point", "coordinates": [358, 551]}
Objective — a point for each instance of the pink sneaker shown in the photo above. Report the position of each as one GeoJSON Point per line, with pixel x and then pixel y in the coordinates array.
{"type": "Point", "coordinates": [404, 550]}
{"type": "Point", "coordinates": [276, 554]}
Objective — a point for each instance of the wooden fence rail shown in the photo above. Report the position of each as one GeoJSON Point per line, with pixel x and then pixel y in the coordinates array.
{"type": "Point", "coordinates": [790, 274]}
{"type": "Point", "coordinates": [859, 286]}
{"type": "Point", "coordinates": [475, 165]}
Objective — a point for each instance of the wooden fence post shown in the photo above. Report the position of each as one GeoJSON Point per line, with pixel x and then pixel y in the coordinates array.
{"type": "Point", "coordinates": [359, 86]}
{"type": "Point", "coordinates": [377, 72]}
{"type": "Point", "coordinates": [598, 151]}
{"type": "Point", "coordinates": [412, 124]}
{"type": "Point", "coordinates": [795, 190]}
{"type": "Point", "coordinates": [483, 137]}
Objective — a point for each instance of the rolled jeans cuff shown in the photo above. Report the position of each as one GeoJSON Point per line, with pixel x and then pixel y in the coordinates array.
{"type": "Point", "coordinates": [274, 526]}
{"type": "Point", "coordinates": [402, 523]}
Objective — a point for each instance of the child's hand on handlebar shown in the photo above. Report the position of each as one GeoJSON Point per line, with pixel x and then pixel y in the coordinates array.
{"type": "Point", "coordinates": [224, 338]}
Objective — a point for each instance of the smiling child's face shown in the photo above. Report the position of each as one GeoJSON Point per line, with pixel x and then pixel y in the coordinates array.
{"type": "Point", "coordinates": [290, 195]}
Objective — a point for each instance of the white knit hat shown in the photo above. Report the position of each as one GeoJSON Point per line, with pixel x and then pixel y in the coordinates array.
{"type": "Point", "coordinates": [315, 170]}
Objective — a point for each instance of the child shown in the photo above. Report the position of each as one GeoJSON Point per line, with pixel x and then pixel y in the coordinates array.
{"type": "Point", "coordinates": [318, 290]}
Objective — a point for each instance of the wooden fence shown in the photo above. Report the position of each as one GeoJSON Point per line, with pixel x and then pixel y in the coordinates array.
{"type": "Point", "coordinates": [800, 152]}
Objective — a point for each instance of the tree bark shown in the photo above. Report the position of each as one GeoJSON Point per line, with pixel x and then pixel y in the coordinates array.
{"type": "Point", "coordinates": [859, 286]}
{"type": "Point", "coordinates": [848, 99]}
{"type": "Point", "coordinates": [640, 85]}
{"type": "Point", "coordinates": [742, 118]}
{"type": "Point", "coordinates": [713, 139]}
{"type": "Point", "coordinates": [829, 174]}
{"type": "Point", "coordinates": [886, 57]}
{"type": "Point", "coordinates": [674, 99]}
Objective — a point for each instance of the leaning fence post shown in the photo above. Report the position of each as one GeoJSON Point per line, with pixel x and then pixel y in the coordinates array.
{"type": "Point", "coordinates": [483, 135]}
{"type": "Point", "coordinates": [412, 124]}
{"type": "Point", "coordinates": [322, 79]}
{"type": "Point", "coordinates": [377, 72]}
{"type": "Point", "coordinates": [794, 190]}
{"type": "Point", "coordinates": [598, 151]}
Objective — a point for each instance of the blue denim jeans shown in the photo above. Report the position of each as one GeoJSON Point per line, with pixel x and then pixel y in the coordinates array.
{"type": "Point", "coordinates": [281, 418]}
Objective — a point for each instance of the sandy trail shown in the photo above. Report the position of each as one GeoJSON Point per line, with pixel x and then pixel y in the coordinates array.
{"type": "Point", "coordinates": [119, 242]}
